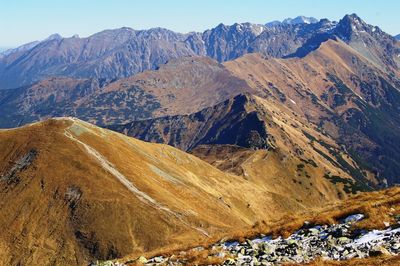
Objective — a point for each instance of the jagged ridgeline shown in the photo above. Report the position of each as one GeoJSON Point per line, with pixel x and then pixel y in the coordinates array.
{"type": "Point", "coordinates": [114, 54]}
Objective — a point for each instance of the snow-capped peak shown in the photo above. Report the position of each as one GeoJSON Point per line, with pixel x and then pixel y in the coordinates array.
{"type": "Point", "coordinates": [293, 21]}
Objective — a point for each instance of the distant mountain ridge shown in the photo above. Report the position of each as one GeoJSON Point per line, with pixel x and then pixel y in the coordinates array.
{"type": "Point", "coordinates": [2, 49]}
{"type": "Point", "coordinates": [28, 46]}
{"type": "Point", "coordinates": [397, 37]}
{"type": "Point", "coordinates": [114, 54]}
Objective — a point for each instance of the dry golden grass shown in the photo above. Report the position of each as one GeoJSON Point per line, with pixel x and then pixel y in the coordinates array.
{"type": "Point", "coordinates": [378, 207]}
{"type": "Point", "coordinates": [108, 220]}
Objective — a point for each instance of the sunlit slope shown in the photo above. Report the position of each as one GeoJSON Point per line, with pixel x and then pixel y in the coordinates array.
{"type": "Point", "coordinates": [71, 191]}
{"type": "Point", "coordinates": [341, 92]}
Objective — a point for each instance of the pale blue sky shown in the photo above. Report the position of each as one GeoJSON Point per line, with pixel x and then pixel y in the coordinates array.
{"type": "Point", "coordinates": [22, 21]}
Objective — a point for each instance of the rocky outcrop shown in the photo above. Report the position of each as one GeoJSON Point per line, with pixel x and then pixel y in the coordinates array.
{"type": "Point", "coordinates": [20, 164]}
{"type": "Point", "coordinates": [329, 242]}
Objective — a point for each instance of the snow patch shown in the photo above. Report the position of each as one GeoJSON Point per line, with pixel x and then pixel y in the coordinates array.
{"type": "Point", "coordinates": [375, 235]}
{"type": "Point", "coordinates": [354, 218]}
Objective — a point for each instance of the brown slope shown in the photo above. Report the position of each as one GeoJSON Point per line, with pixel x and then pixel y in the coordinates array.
{"type": "Point", "coordinates": [62, 200]}
{"type": "Point", "coordinates": [339, 90]}
{"type": "Point", "coordinates": [72, 192]}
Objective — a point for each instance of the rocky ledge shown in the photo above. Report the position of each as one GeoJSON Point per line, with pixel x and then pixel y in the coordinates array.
{"type": "Point", "coordinates": [329, 242]}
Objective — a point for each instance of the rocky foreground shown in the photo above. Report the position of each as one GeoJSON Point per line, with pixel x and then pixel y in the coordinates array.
{"type": "Point", "coordinates": [333, 242]}
{"type": "Point", "coordinates": [329, 242]}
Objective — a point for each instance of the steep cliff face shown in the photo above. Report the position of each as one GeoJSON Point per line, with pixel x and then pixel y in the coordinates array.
{"type": "Point", "coordinates": [234, 121]}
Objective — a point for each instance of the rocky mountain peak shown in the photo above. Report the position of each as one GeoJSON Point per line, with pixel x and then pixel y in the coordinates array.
{"type": "Point", "coordinates": [352, 24]}
{"type": "Point", "coordinates": [353, 17]}
{"type": "Point", "coordinates": [220, 27]}
{"type": "Point", "coordinates": [293, 21]}
{"type": "Point", "coordinates": [55, 36]}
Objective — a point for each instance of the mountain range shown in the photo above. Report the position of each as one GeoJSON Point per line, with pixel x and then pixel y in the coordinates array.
{"type": "Point", "coordinates": [114, 54]}
{"type": "Point", "coordinates": [345, 87]}
{"type": "Point", "coordinates": [130, 142]}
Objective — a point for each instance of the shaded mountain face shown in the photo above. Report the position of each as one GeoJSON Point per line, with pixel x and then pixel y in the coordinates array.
{"type": "Point", "coordinates": [91, 194]}
{"type": "Point", "coordinates": [397, 37]}
{"type": "Point", "coordinates": [181, 86]}
{"type": "Point", "coordinates": [115, 54]}
{"type": "Point", "coordinates": [234, 121]}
